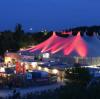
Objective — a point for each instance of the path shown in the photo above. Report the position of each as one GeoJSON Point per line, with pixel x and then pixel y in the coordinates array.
{"type": "Point", "coordinates": [5, 93]}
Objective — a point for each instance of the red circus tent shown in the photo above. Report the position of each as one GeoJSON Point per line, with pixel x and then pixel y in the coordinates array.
{"type": "Point", "coordinates": [67, 45]}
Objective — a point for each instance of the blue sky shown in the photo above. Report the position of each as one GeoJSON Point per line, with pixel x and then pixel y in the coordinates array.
{"type": "Point", "coordinates": [49, 14]}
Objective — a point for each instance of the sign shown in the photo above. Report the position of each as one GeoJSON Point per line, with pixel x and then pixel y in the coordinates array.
{"type": "Point", "coordinates": [29, 76]}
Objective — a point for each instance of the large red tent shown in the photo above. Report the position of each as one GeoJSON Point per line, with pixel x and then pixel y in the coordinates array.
{"type": "Point", "coordinates": [68, 45]}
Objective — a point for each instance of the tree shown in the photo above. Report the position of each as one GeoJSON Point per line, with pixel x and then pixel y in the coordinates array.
{"type": "Point", "coordinates": [18, 28]}
{"type": "Point", "coordinates": [78, 74]}
{"type": "Point", "coordinates": [18, 36]}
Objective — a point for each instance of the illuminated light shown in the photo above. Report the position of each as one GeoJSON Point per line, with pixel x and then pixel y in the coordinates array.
{"type": "Point", "coordinates": [22, 63]}
{"type": "Point", "coordinates": [46, 69]}
{"type": "Point", "coordinates": [55, 71]}
{"type": "Point", "coordinates": [45, 33]}
{"type": "Point", "coordinates": [39, 68]}
{"type": "Point", "coordinates": [21, 49]}
{"type": "Point", "coordinates": [26, 66]}
{"type": "Point", "coordinates": [67, 33]}
{"type": "Point", "coordinates": [46, 55]}
{"type": "Point", "coordinates": [2, 69]}
{"type": "Point", "coordinates": [41, 63]}
{"type": "Point", "coordinates": [30, 29]}
{"type": "Point", "coordinates": [34, 64]}
{"type": "Point", "coordinates": [7, 59]}
{"type": "Point", "coordinates": [14, 71]}
{"type": "Point", "coordinates": [64, 32]}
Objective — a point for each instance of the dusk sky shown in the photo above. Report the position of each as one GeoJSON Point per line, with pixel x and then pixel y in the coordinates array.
{"type": "Point", "coordinates": [48, 14]}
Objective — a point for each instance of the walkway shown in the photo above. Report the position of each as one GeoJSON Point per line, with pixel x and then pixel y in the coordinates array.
{"type": "Point", "coordinates": [5, 93]}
